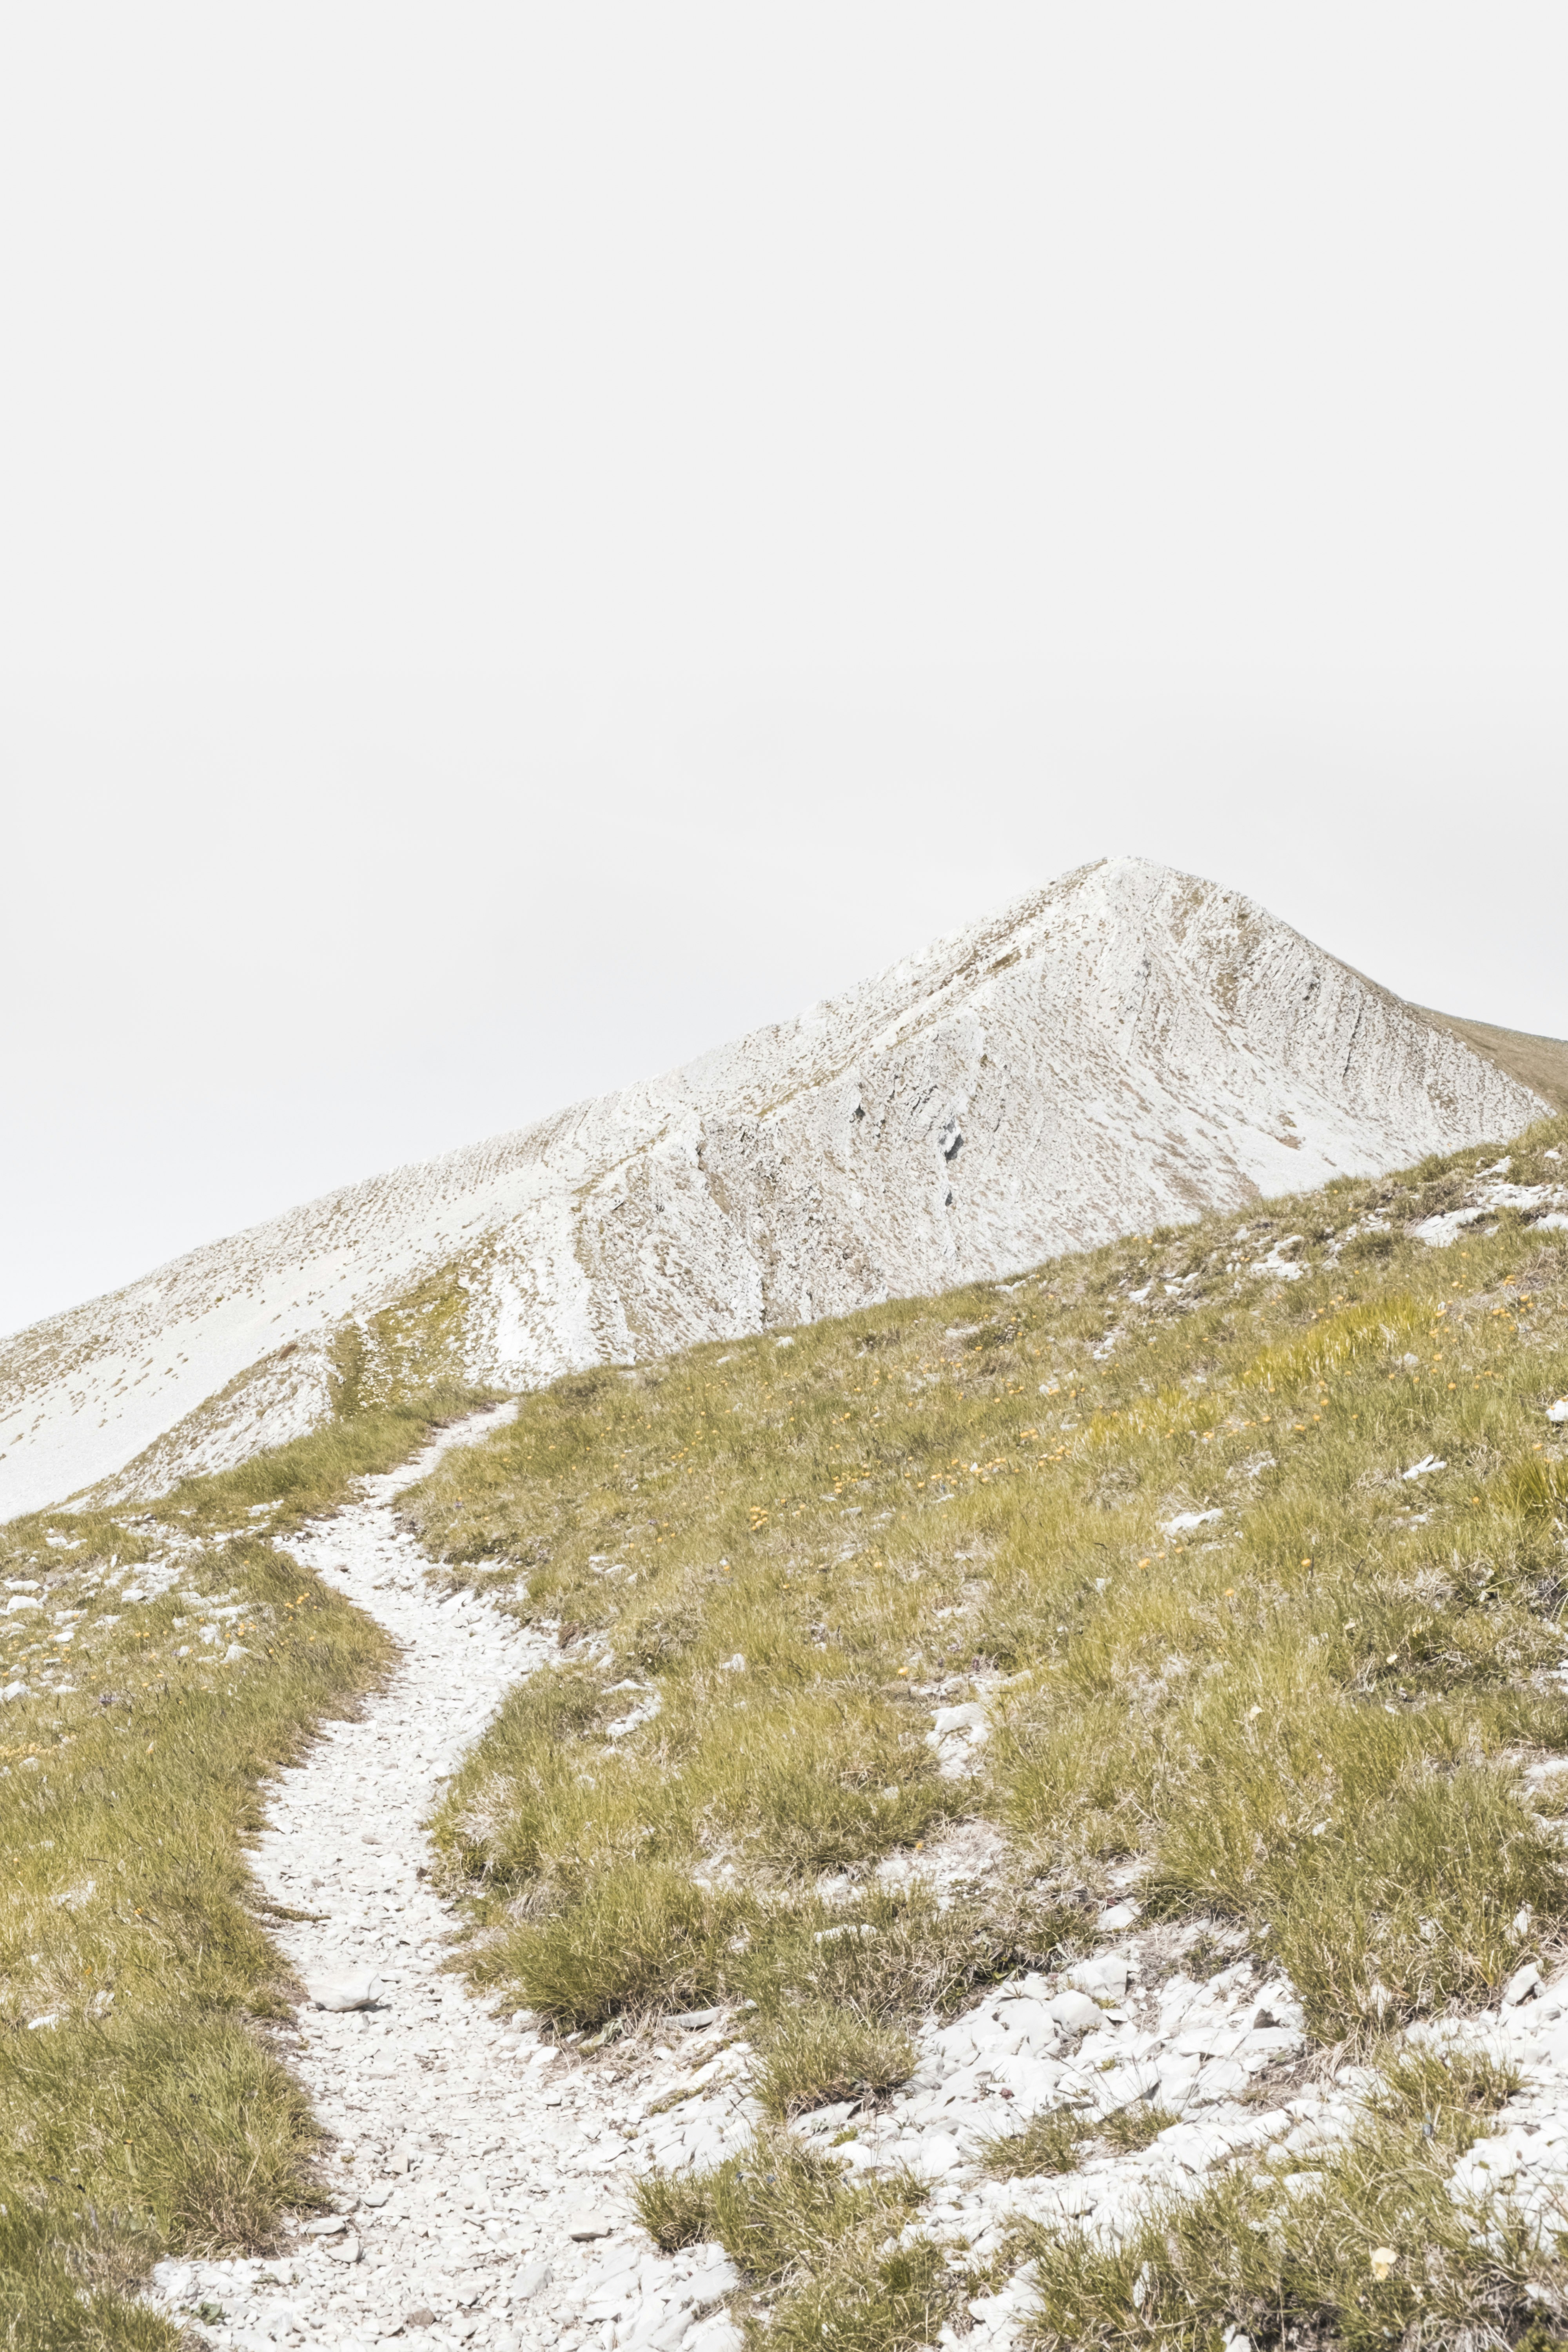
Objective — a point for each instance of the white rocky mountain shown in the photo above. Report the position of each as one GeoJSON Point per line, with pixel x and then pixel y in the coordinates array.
{"type": "Point", "coordinates": [1120, 1050]}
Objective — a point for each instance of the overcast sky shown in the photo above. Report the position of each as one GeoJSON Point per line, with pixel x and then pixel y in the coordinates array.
{"type": "Point", "coordinates": [533, 539]}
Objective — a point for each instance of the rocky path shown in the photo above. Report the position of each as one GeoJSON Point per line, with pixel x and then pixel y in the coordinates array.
{"type": "Point", "coordinates": [483, 2172]}
{"type": "Point", "coordinates": [478, 2168]}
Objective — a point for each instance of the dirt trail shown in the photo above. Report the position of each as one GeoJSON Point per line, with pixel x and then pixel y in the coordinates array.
{"type": "Point", "coordinates": [484, 2174]}
{"type": "Point", "coordinates": [467, 2151]}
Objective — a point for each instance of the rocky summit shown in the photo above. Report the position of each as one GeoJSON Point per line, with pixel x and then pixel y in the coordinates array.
{"type": "Point", "coordinates": [1119, 1051]}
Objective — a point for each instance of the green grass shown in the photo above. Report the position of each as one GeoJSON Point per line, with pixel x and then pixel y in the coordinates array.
{"type": "Point", "coordinates": [815, 2245]}
{"type": "Point", "coordinates": [1056, 2141]}
{"type": "Point", "coordinates": [817, 2054]}
{"type": "Point", "coordinates": [1305, 1720]}
{"type": "Point", "coordinates": [1464, 2085]}
{"type": "Point", "coordinates": [1134, 2127]}
{"type": "Point", "coordinates": [154, 2115]}
{"type": "Point", "coordinates": [1053, 2142]}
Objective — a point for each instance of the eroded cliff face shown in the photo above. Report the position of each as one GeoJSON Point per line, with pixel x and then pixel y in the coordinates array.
{"type": "Point", "coordinates": [1117, 1051]}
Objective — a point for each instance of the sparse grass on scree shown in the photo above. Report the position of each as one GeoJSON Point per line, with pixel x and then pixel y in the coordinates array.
{"type": "Point", "coordinates": [1057, 2140]}
{"type": "Point", "coordinates": [1305, 1717]}
{"type": "Point", "coordinates": [786, 2216]}
{"type": "Point", "coordinates": [1272, 2259]}
{"type": "Point", "coordinates": [152, 2115]}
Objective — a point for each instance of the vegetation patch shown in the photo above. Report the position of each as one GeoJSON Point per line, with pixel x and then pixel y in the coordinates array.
{"type": "Point", "coordinates": [1053, 2142]}
{"type": "Point", "coordinates": [816, 2246]}
{"type": "Point", "coordinates": [1242, 1549]}
{"type": "Point", "coordinates": [1360, 2244]}
{"type": "Point", "coordinates": [817, 2055]}
{"type": "Point", "coordinates": [144, 2104]}
{"type": "Point", "coordinates": [1057, 2140]}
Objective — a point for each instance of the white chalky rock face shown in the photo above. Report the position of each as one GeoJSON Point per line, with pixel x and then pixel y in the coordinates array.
{"type": "Point", "coordinates": [1111, 1054]}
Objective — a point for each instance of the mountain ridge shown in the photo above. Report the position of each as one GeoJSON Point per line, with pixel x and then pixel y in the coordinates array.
{"type": "Point", "coordinates": [1125, 1047]}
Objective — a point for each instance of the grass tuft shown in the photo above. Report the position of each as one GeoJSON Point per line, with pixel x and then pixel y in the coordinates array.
{"type": "Point", "coordinates": [1461, 2087]}
{"type": "Point", "coordinates": [817, 2055]}
{"type": "Point", "coordinates": [641, 1937]}
{"type": "Point", "coordinates": [796, 2226]}
{"type": "Point", "coordinates": [1056, 2141]}
{"type": "Point", "coordinates": [768, 2204]}
{"type": "Point", "coordinates": [869, 2297]}
{"type": "Point", "coordinates": [676, 2209]}
{"type": "Point", "coordinates": [1134, 2127]}
{"type": "Point", "coordinates": [1052, 2142]}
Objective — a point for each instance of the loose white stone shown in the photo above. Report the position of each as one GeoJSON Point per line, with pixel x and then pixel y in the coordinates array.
{"type": "Point", "coordinates": [1074, 2010]}
{"type": "Point", "coordinates": [1107, 1972]}
{"type": "Point", "coordinates": [1522, 1982]}
{"type": "Point", "coordinates": [1185, 1521]}
{"type": "Point", "coordinates": [346, 1992]}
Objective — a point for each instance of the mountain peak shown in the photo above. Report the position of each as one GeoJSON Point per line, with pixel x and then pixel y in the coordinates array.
{"type": "Point", "coordinates": [1123, 1048]}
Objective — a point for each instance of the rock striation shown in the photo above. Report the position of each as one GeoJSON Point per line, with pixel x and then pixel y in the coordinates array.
{"type": "Point", "coordinates": [1123, 1049]}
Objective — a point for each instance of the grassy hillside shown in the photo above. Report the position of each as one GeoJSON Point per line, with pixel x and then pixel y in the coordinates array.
{"type": "Point", "coordinates": [1248, 1539]}
{"type": "Point", "coordinates": [145, 2110]}
{"type": "Point", "coordinates": [1146, 1511]}
{"type": "Point", "coordinates": [1539, 1062]}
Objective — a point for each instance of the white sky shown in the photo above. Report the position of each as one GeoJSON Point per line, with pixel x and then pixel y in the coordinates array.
{"type": "Point", "coordinates": [533, 539]}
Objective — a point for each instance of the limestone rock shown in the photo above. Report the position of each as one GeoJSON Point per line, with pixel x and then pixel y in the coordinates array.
{"type": "Point", "coordinates": [946, 1122]}
{"type": "Point", "coordinates": [346, 1992]}
{"type": "Point", "coordinates": [1107, 1972]}
{"type": "Point", "coordinates": [1074, 2010]}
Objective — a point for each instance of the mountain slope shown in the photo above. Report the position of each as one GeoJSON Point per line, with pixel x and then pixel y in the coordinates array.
{"type": "Point", "coordinates": [1539, 1062]}
{"type": "Point", "coordinates": [1120, 1050]}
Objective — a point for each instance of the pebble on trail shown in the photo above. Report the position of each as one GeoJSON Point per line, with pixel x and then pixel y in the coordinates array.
{"type": "Point", "coordinates": [346, 1992]}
